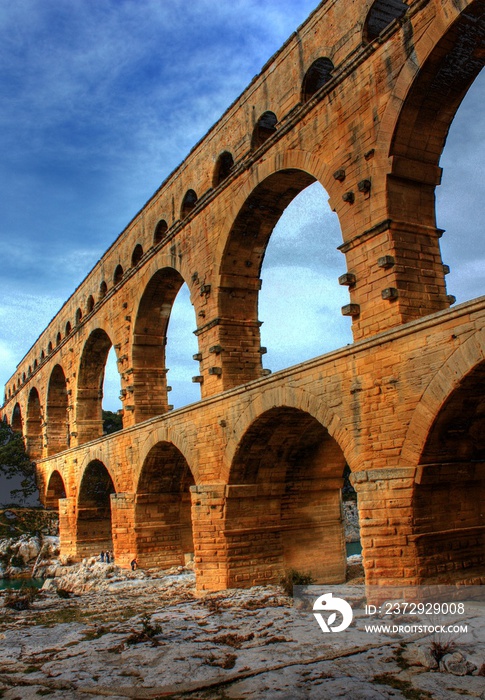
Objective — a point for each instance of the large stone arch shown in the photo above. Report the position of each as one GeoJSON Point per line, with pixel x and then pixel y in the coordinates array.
{"type": "Point", "coordinates": [424, 105]}
{"type": "Point", "coordinates": [33, 426]}
{"type": "Point", "coordinates": [89, 423]}
{"type": "Point", "coordinates": [267, 191]}
{"type": "Point", "coordinates": [270, 165]}
{"type": "Point", "coordinates": [94, 527]}
{"type": "Point", "coordinates": [185, 441]}
{"type": "Point", "coordinates": [431, 89]}
{"type": "Point", "coordinates": [442, 63]}
{"type": "Point", "coordinates": [448, 428]}
{"type": "Point", "coordinates": [58, 432]}
{"type": "Point", "coordinates": [55, 490]}
{"type": "Point", "coordinates": [163, 524]}
{"type": "Point", "coordinates": [16, 421]}
{"type": "Point", "coordinates": [283, 507]}
{"type": "Point", "coordinates": [467, 356]}
{"type": "Point", "coordinates": [149, 341]}
{"type": "Point", "coordinates": [296, 398]}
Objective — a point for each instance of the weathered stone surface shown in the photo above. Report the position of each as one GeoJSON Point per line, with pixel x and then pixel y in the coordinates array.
{"type": "Point", "coordinates": [421, 656]}
{"type": "Point", "coordinates": [237, 644]}
{"type": "Point", "coordinates": [456, 664]}
{"type": "Point", "coordinates": [351, 516]}
{"type": "Point", "coordinates": [29, 549]}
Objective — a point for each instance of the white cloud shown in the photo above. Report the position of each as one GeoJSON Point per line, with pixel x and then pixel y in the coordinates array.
{"type": "Point", "coordinates": [101, 100]}
{"type": "Point", "coordinates": [21, 322]}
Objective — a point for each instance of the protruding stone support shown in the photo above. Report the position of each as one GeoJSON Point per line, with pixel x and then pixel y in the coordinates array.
{"type": "Point", "coordinates": [149, 389]}
{"type": "Point", "coordinates": [85, 431]}
{"type": "Point", "coordinates": [385, 498]}
{"type": "Point", "coordinates": [415, 277]}
{"type": "Point", "coordinates": [253, 534]}
{"type": "Point", "coordinates": [56, 436]}
{"type": "Point", "coordinates": [34, 438]}
{"type": "Point", "coordinates": [239, 355]}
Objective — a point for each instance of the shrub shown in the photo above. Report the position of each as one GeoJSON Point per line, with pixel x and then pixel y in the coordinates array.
{"type": "Point", "coordinates": [440, 648]}
{"type": "Point", "coordinates": [62, 593]}
{"type": "Point", "coordinates": [17, 562]}
{"type": "Point", "coordinates": [146, 634]}
{"type": "Point", "coordinates": [21, 599]}
{"type": "Point", "coordinates": [292, 577]}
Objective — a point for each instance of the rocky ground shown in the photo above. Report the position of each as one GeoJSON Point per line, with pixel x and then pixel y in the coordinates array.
{"type": "Point", "coordinates": [95, 630]}
{"type": "Point", "coordinates": [123, 634]}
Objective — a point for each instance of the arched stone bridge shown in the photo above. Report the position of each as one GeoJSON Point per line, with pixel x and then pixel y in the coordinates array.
{"type": "Point", "coordinates": [360, 98]}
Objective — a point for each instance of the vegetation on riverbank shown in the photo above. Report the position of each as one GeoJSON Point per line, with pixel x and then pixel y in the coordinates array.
{"type": "Point", "coordinates": [16, 469]}
{"type": "Point", "coordinates": [15, 522]}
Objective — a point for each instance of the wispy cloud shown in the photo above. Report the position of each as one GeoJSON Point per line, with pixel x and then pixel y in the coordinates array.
{"type": "Point", "coordinates": [102, 99]}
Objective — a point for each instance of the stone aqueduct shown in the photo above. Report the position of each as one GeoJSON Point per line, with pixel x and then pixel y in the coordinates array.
{"type": "Point", "coordinates": [249, 479]}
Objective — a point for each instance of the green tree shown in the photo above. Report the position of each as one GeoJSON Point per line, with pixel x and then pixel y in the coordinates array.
{"type": "Point", "coordinates": [15, 462]}
{"type": "Point", "coordinates": [111, 422]}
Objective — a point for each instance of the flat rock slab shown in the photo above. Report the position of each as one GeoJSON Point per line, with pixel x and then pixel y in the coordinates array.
{"type": "Point", "coordinates": [155, 637]}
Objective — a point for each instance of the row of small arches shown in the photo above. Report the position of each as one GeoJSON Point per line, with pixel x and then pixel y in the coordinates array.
{"type": "Point", "coordinates": [317, 75]}
{"type": "Point", "coordinates": [380, 16]}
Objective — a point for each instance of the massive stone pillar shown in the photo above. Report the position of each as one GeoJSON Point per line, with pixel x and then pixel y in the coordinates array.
{"type": "Point", "coordinates": [254, 534]}
{"type": "Point", "coordinates": [231, 353]}
{"type": "Point", "coordinates": [385, 498]}
{"type": "Point", "coordinates": [396, 275]}
{"type": "Point", "coordinates": [123, 528]}
{"type": "Point", "coordinates": [68, 527]}
{"type": "Point", "coordinates": [210, 551]}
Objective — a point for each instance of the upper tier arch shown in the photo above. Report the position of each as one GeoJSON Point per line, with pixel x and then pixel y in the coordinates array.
{"type": "Point", "coordinates": [352, 135]}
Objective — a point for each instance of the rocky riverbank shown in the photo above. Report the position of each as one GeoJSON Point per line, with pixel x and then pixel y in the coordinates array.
{"type": "Point", "coordinates": [29, 545]}
{"type": "Point", "coordinates": [124, 634]}
{"type": "Point", "coordinates": [99, 631]}
{"type": "Point", "coordinates": [29, 556]}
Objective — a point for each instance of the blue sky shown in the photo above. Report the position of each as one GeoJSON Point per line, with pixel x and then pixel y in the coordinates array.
{"type": "Point", "coordinates": [101, 99]}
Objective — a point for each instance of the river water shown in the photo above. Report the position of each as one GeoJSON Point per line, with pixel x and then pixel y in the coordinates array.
{"type": "Point", "coordinates": [353, 548]}
{"type": "Point", "coordinates": [16, 583]}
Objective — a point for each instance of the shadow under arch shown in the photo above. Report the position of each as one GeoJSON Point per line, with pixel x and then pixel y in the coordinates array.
{"type": "Point", "coordinates": [149, 343]}
{"type": "Point", "coordinates": [163, 524]}
{"type": "Point", "coordinates": [55, 490]}
{"type": "Point", "coordinates": [381, 14]}
{"type": "Point", "coordinates": [283, 506]}
{"type": "Point", "coordinates": [58, 436]}
{"type": "Point", "coordinates": [17, 422]}
{"type": "Point", "coordinates": [94, 529]}
{"type": "Point", "coordinates": [89, 423]}
{"type": "Point", "coordinates": [448, 513]}
{"type": "Point", "coordinates": [33, 426]}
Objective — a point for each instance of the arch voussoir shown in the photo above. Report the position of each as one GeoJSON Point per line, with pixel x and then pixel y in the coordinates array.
{"type": "Point", "coordinates": [462, 361]}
